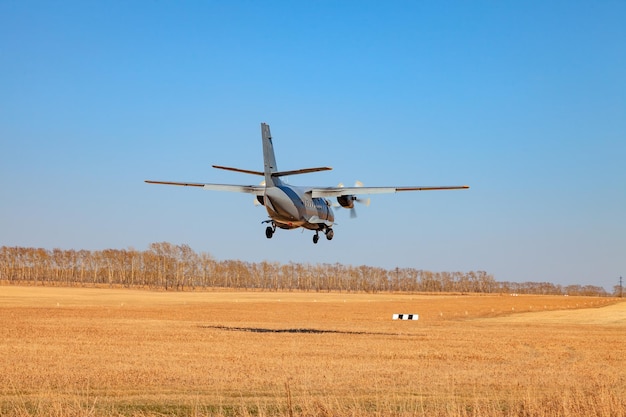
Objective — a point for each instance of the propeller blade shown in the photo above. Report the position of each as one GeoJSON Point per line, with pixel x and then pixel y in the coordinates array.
{"type": "Point", "coordinates": [364, 201]}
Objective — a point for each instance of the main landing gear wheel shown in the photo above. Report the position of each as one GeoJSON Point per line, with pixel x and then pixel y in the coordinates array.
{"type": "Point", "coordinates": [329, 234]}
{"type": "Point", "coordinates": [269, 231]}
{"type": "Point", "coordinates": [316, 237]}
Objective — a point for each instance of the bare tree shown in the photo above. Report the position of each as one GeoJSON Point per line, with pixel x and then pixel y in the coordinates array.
{"type": "Point", "coordinates": [169, 266]}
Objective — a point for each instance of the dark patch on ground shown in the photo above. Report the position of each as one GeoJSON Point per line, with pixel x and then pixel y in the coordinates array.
{"type": "Point", "coordinates": [306, 331]}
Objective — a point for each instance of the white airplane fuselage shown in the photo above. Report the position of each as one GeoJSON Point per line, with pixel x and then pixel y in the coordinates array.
{"type": "Point", "coordinates": [291, 207]}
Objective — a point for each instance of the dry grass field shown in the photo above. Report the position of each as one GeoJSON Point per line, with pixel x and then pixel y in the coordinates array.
{"type": "Point", "coordinates": [100, 352]}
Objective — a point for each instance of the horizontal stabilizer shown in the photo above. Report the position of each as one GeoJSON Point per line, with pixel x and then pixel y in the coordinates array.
{"type": "Point", "coordinates": [300, 171]}
{"type": "Point", "coordinates": [275, 174]}
{"type": "Point", "coordinates": [245, 171]}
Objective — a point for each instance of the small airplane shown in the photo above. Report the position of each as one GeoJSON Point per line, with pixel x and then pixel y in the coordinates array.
{"type": "Point", "coordinates": [291, 207]}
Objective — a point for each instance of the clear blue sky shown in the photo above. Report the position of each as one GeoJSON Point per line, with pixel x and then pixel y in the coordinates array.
{"type": "Point", "coordinates": [523, 101]}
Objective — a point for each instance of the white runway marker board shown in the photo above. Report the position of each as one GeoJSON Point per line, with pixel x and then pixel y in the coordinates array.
{"type": "Point", "coordinates": [406, 316]}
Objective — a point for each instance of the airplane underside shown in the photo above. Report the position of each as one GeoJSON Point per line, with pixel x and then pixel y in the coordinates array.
{"type": "Point", "coordinates": [289, 209]}
{"type": "Point", "coordinates": [289, 225]}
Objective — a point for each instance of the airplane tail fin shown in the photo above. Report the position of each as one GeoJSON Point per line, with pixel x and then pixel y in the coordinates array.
{"type": "Point", "coordinates": [269, 159]}
{"type": "Point", "coordinates": [270, 170]}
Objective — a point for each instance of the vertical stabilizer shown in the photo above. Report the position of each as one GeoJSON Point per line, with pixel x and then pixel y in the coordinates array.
{"type": "Point", "coordinates": [269, 160]}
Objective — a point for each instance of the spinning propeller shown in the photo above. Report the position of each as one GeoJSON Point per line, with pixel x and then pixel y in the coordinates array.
{"type": "Point", "coordinates": [347, 201]}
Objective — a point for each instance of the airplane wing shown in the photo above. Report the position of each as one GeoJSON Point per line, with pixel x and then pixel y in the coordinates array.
{"type": "Point", "coordinates": [339, 191]}
{"type": "Point", "coordinates": [249, 189]}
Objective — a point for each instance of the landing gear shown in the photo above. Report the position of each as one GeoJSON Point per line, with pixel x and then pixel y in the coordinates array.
{"type": "Point", "coordinates": [269, 231]}
{"type": "Point", "coordinates": [328, 232]}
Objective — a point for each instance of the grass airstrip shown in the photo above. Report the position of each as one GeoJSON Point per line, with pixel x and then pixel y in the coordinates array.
{"type": "Point", "coordinates": [102, 352]}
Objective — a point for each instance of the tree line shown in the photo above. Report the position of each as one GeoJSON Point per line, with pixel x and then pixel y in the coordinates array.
{"type": "Point", "coordinates": [178, 267]}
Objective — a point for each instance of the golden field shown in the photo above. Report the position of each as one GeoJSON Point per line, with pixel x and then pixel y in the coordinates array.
{"type": "Point", "coordinates": [100, 352]}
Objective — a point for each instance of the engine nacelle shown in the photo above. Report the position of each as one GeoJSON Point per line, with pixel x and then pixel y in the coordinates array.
{"type": "Point", "coordinates": [346, 201]}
